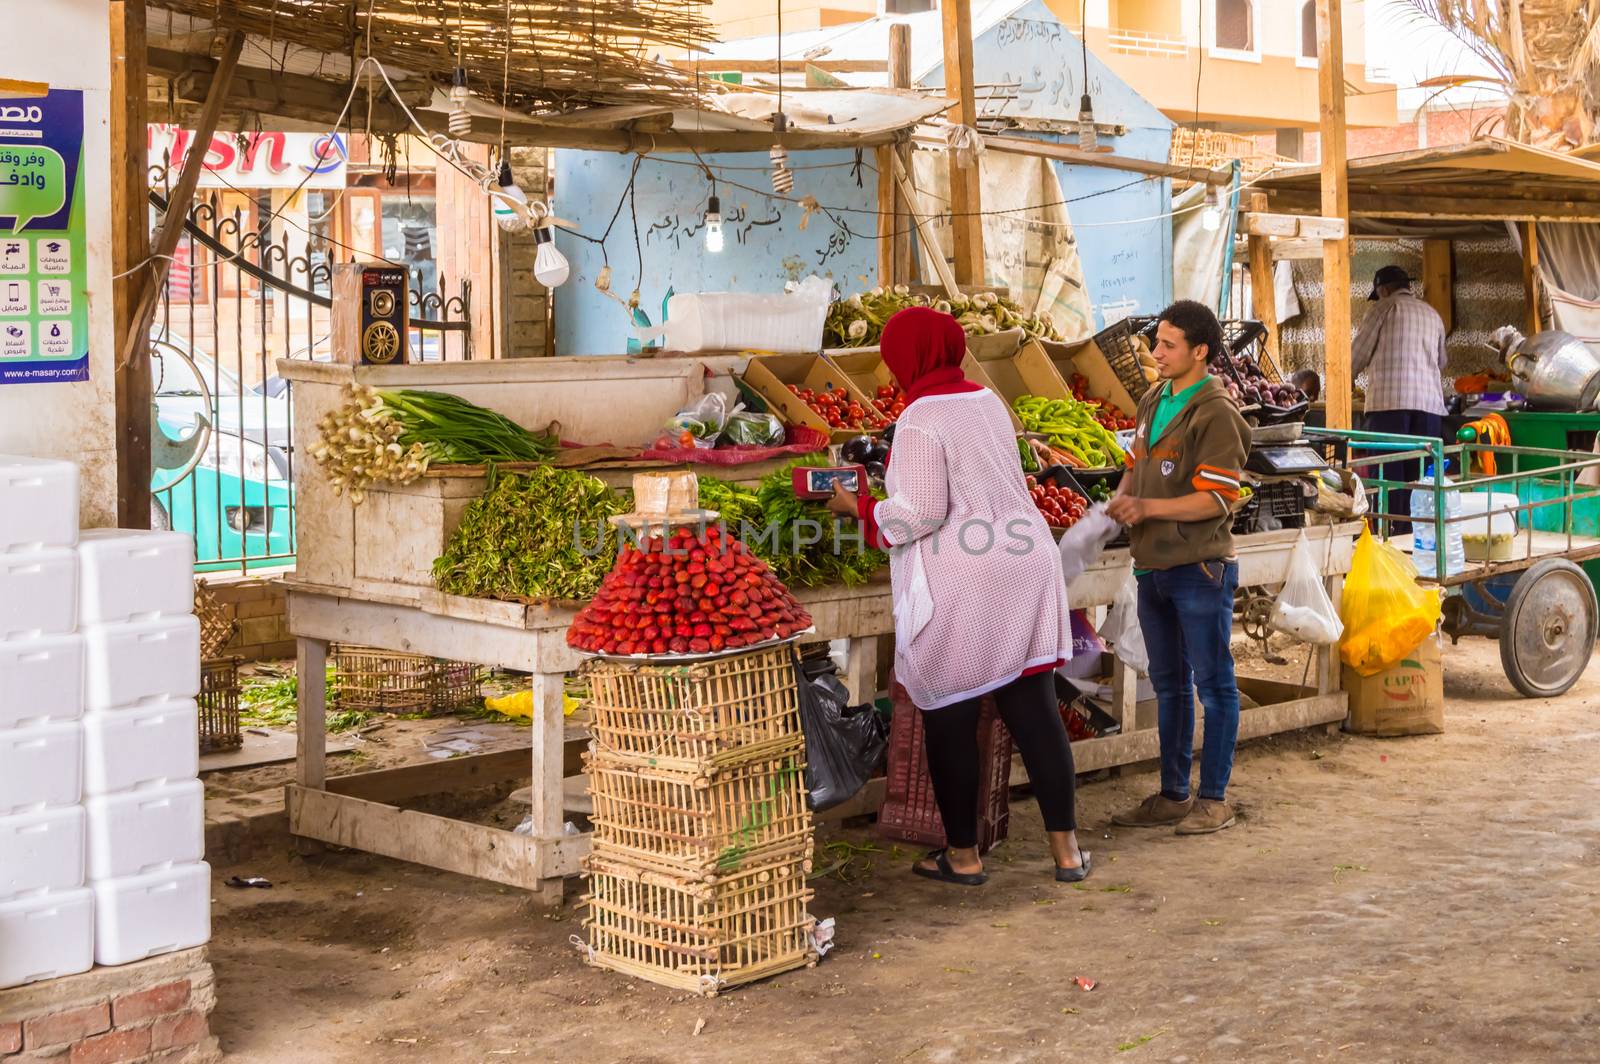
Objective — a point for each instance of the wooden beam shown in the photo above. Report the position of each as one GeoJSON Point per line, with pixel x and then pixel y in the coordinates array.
{"type": "Point", "coordinates": [787, 66]}
{"type": "Point", "coordinates": [1263, 292]}
{"type": "Point", "coordinates": [1337, 385]}
{"type": "Point", "coordinates": [1438, 279]}
{"type": "Point", "coordinates": [894, 221]}
{"type": "Point", "coordinates": [130, 246]}
{"type": "Point", "coordinates": [940, 267]}
{"type": "Point", "coordinates": [166, 238]}
{"type": "Point", "coordinates": [966, 198]}
{"type": "Point", "coordinates": [1450, 208]}
{"type": "Point", "coordinates": [1106, 160]}
{"type": "Point", "coordinates": [1530, 275]}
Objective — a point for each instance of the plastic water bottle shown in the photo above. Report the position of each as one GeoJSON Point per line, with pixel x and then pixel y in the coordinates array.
{"type": "Point", "coordinates": [1424, 549]}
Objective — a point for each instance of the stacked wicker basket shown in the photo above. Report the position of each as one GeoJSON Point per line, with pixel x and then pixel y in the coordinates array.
{"type": "Point", "coordinates": [702, 838]}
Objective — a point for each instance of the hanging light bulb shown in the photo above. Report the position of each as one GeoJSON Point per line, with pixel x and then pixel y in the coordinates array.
{"type": "Point", "coordinates": [509, 203]}
{"type": "Point", "coordinates": [460, 119]}
{"type": "Point", "coordinates": [1088, 136]}
{"type": "Point", "coordinates": [1211, 217]}
{"type": "Point", "coordinates": [782, 176]}
{"type": "Point", "coordinates": [550, 267]}
{"type": "Point", "coordinates": [714, 225]}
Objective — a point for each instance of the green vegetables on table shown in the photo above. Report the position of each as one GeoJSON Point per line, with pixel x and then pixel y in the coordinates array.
{"type": "Point", "coordinates": [524, 538]}
{"type": "Point", "coordinates": [393, 437]}
{"type": "Point", "coordinates": [858, 320]}
{"type": "Point", "coordinates": [1070, 426]}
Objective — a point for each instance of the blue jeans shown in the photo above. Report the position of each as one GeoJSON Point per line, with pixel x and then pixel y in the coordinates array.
{"type": "Point", "coordinates": [1186, 615]}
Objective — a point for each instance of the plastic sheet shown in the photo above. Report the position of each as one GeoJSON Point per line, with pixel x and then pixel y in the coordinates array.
{"type": "Point", "coordinates": [797, 440]}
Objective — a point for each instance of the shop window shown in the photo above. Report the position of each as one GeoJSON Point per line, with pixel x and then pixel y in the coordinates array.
{"type": "Point", "coordinates": [410, 235]}
{"type": "Point", "coordinates": [1236, 25]}
{"type": "Point", "coordinates": [1308, 29]}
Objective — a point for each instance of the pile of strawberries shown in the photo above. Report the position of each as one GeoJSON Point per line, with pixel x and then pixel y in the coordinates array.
{"type": "Point", "coordinates": [891, 401]}
{"type": "Point", "coordinates": [1061, 507]}
{"type": "Point", "coordinates": [837, 408]}
{"type": "Point", "coordinates": [683, 595]}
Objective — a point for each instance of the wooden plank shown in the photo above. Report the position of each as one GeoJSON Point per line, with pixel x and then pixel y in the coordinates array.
{"type": "Point", "coordinates": [966, 199]}
{"type": "Point", "coordinates": [900, 78]}
{"type": "Point", "coordinates": [494, 854]}
{"type": "Point", "coordinates": [1450, 208]}
{"type": "Point", "coordinates": [861, 669]}
{"type": "Point", "coordinates": [1145, 743]}
{"type": "Point", "coordinates": [1263, 290]}
{"type": "Point", "coordinates": [940, 266]}
{"type": "Point", "coordinates": [887, 219]}
{"type": "Point", "coordinates": [450, 775]}
{"type": "Point", "coordinates": [1530, 276]}
{"type": "Point", "coordinates": [787, 66]}
{"type": "Point", "coordinates": [1067, 154]}
{"type": "Point", "coordinates": [165, 241]}
{"type": "Point", "coordinates": [311, 705]}
{"type": "Point", "coordinates": [130, 246]}
{"type": "Point", "coordinates": [1256, 224]}
{"type": "Point", "coordinates": [1296, 248]}
{"type": "Point", "coordinates": [1337, 386]}
{"type": "Point", "coordinates": [1323, 228]}
{"type": "Point", "coordinates": [547, 769]}
{"type": "Point", "coordinates": [865, 802]}
{"type": "Point", "coordinates": [1438, 279]}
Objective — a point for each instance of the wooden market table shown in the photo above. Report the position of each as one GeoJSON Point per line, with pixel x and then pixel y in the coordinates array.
{"type": "Point", "coordinates": [361, 811]}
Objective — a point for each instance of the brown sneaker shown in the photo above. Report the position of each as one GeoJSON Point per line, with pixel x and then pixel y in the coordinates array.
{"type": "Point", "coordinates": [1154, 812]}
{"type": "Point", "coordinates": [1206, 816]}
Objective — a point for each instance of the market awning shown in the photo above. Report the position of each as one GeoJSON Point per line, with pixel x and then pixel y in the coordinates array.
{"type": "Point", "coordinates": [1488, 180]}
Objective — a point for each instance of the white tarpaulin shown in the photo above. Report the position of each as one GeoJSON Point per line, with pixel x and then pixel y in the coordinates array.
{"type": "Point", "coordinates": [1030, 251]}
{"type": "Point", "coordinates": [1197, 252]}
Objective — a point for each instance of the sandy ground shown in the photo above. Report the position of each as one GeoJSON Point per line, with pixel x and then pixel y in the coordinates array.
{"type": "Point", "coordinates": [1422, 899]}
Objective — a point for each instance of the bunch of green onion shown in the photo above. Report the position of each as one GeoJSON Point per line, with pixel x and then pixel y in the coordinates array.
{"type": "Point", "coordinates": [393, 437]}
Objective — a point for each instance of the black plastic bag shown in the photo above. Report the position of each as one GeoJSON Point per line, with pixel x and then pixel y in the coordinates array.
{"type": "Point", "coordinates": [844, 743]}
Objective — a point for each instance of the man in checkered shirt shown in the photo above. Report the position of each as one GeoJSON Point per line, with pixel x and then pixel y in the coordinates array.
{"type": "Point", "coordinates": [1400, 346]}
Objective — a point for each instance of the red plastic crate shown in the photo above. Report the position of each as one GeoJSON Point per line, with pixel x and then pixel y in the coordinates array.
{"type": "Point", "coordinates": [910, 813]}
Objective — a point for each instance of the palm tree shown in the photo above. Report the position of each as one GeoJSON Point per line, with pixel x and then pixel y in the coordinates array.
{"type": "Point", "coordinates": [1546, 58]}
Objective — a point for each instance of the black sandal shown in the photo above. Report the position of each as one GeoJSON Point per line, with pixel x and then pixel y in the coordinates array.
{"type": "Point", "coordinates": [1075, 875]}
{"type": "Point", "coordinates": [947, 874]}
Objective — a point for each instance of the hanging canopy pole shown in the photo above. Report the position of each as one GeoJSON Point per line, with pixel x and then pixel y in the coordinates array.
{"type": "Point", "coordinates": [1339, 388]}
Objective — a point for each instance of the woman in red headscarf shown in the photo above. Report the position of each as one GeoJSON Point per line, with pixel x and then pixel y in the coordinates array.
{"type": "Point", "coordinates": [980, 607]}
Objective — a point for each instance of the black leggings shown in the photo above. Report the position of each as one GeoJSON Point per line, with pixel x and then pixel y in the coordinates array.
{"type": "Point", "coordinates": [1028, 707]}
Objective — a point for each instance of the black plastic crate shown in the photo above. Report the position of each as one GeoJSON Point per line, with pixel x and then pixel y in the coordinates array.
{"type": "Point", "coordinates": [1276, 504]}
{"type": "Point", "coordinates": [1116, 342]}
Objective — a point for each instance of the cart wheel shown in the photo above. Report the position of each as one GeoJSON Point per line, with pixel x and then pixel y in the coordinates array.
{"type": "Point", "coordinates": [1548, 631]}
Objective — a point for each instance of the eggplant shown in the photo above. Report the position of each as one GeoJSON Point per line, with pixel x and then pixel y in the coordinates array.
{"type": "Point", "coordinates": [876, 471]}
{"type": "Point", "coordinates": [879, 454]}
{"type": "Point", "coordinates": [856, 450]}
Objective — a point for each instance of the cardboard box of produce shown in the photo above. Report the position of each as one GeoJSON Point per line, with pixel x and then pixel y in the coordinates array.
{"type": "Point", "coordinates": [770, 377]}
{"type": "Point", "coordinates": [1026, 371]}
{"type": "Point", "coordinates": [864, 366]}
{"type": "Point", "coordinates": [1405, 700]}
{"type": "Point", "coordinates": [1087, 359]}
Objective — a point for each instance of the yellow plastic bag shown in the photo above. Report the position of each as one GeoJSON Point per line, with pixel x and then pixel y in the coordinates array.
{"type": "Point", "coordinates": [520, 704]}
{"type": "Point", "coordinates": [1386, 613]}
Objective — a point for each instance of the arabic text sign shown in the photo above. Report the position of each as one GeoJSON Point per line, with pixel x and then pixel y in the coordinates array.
{"type": "Point", "coordinates": [33, 183]}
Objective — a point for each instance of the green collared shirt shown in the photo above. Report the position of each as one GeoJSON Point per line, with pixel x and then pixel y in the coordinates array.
{"type": "Point", "coordinates": [1169, 407]}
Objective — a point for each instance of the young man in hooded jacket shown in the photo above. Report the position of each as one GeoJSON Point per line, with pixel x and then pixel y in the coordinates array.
{"type": "Point", "coordinates": [1189, 449]}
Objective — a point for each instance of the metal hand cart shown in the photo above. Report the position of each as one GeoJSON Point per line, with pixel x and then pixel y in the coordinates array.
{"type": "Point", "coordinates": [1528, 588]}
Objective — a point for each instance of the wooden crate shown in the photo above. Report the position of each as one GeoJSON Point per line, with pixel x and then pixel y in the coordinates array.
{"type": "Point", "coordinates": [702, 824]}
{"type": "Point", "coordinates": [695, 717]}
{"type": "Point", "coordinates": [699, 937]}
{"type": "Point", "coordinates": [1023, 371]}
{"type": "Point", "coordinates": [389, 681]}
{"type": "Point", "coordinates": [218, 702]}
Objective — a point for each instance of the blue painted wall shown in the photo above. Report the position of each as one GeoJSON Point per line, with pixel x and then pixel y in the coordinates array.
{"type": "Point", "coordinates": [765, 245]}
{"type": "Point", "coordinates": [1124, 260]}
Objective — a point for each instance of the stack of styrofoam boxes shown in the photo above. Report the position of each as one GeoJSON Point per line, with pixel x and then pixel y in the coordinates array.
{"type": "Point", "coordinates": [146, 808]}
{"type": "Point", "coordinates": [46, 912]}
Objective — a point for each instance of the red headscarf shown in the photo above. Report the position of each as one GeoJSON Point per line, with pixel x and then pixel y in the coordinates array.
{"type": "Point", "coordinates": [923, 349]}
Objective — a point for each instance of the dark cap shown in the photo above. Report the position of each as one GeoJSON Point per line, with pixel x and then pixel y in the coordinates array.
{"type": "Point", "coordinates": [1388, 275]}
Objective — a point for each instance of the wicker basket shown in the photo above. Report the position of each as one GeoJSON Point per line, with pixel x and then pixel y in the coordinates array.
{"type": "Point", "coordinates": [383, 681]}
{"type": "Point", "coordinates": [700, 937]}
{"type": "Point", "coordinates": [700, 825]}
{"type": "Point", "coordinates": [219, 705]}
{"type": "Point", "coordinates": [692, 717]}
{"type": "Point", "coordinates": [217, 624]}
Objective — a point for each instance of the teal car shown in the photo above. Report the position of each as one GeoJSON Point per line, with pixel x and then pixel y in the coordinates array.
{"type": "Point", "coordinates": [221, 466]}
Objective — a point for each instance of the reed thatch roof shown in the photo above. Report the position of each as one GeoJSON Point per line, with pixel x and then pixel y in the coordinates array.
{"type": "Point", "coordinates": [534, 56]}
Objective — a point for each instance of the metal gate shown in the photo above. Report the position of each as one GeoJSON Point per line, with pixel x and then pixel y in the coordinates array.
{"type": "Point", "coordinates": [237, 299]}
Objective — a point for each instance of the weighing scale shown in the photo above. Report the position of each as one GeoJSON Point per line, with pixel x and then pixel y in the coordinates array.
{"type": "Point", "coordinates": [1285, 460]}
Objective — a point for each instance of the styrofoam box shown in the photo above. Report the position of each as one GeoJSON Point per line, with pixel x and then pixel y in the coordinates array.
{"type": "Point", "coordinates": [38, 503]}
{"type": "Point", "coordinates": [41, 850]}
{"type": "Point", "coordinates": [46, 935]}
{"type": "Point", "coordinates": [152, 743]}
{"type": "Point", "coordinates": [38, 592]}
{"type": "Point", "coordinates": [145, 829]}
{"type": "Point", "coordinates": [158, 912]}
{"type": "Point", "coordinates": [125, 573]}
{"type": "Point", "coordinates": [139, 661]}
{"type": "Point", "coordinates": [41, 679]}
{"type": "Point", "coordinates": [41, 765]}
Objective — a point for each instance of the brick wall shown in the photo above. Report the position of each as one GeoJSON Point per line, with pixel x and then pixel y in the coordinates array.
{"type": "Point", "coordinates": [525, 303]}
{"type": "Point", "coordinates": [256, 605]}
{"type": "Point", "coordinates": [144, 1013]}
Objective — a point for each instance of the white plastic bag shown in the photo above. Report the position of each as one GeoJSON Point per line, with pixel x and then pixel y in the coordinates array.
{"type": "Point", "coordinates": [1303, 609]}
{"type": "Point", "coordinates": [704, 420]}
{"type": "Point", "coordinates": [1081, 544]}
{"type": "Point", "coordinates": [1121, 628]}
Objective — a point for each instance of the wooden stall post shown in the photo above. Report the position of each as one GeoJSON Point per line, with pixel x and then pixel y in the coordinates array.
{"type": "Point", "coordinates": [547, 806]}
{"type": "Point", "coordinates": [1337, 389]}
{"type": "Point", "coordinates": [311, 722]}
{"type": "Point", "coordinates": [966, 200]}
{"type": "Point", "coordinates": [1530, 274]}
{"type": "Point", "coordinates": [1263, 292]}
{"type": "Point", "coordinates": [894, 221]}
{"type": "Point", "coordinates": [1438, 280]}
{"type": "Point", "coordinates": [130, 246]}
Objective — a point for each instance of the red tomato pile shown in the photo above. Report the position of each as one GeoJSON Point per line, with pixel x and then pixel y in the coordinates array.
{"type": "Point", "coordinates": [683, 596]}
{"type": "Point", "coordinates": [891, 401]}
{"type": "Point", "coordinates": [835, 406]}
{"type": "Point", "coordinates": [1061, 506]}
{"type": "Point", "coordinates": [1108, 416]}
